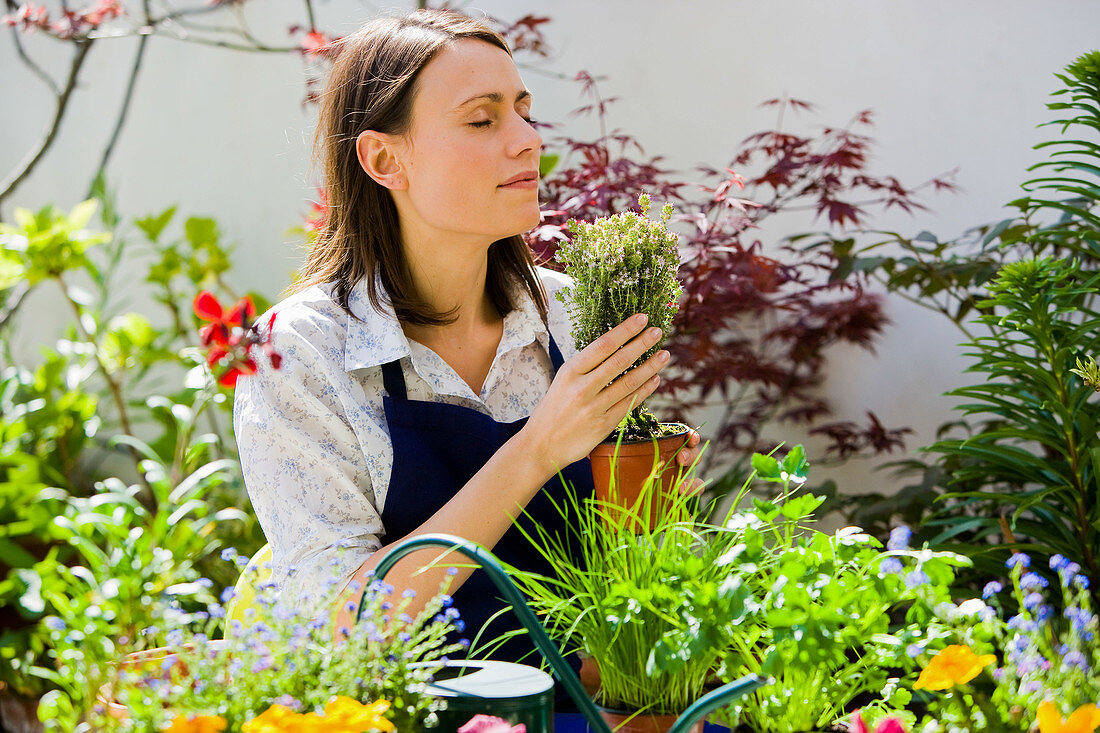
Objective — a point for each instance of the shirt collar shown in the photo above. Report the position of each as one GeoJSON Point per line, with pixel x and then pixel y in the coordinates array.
{"type": "Point", "coordinates": [375, 337]}
{"type": "Point", "coordinates": [374, 334]}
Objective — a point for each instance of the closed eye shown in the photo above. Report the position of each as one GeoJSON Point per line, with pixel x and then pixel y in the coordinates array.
{"type": "Point", "coordinates": [487, 123]}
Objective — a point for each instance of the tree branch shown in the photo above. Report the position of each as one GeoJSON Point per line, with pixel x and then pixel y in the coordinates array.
{"type": "Point", "coordinates": [14, 300]}
{"type": "Point", "coordinates": [123, 111]}
{"type": "Point", "coordinates": [35, 68]}
{"type": "Point", "coordinates": [8, 186]}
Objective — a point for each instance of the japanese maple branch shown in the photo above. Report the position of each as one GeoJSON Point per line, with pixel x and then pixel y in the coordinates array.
{"type": "Point", "coordinates": [81, 53]}
{"type": "Point", "coordinates": [126, 100]}
{"type": "Point", "coordinates": [29, 62]}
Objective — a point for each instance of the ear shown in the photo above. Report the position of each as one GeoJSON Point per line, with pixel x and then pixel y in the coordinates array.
{"type": "Point", "coordinates": [377, 156]}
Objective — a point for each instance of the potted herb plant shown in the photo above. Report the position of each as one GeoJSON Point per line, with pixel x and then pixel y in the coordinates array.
{"type": "Point", "coordinates": [656, 610]}
{"type": "Point", "coordinates": [622, 265]}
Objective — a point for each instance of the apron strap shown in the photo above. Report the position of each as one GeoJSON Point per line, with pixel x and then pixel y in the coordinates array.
{"type": "Point", "coordinates": [555, 353]}
{"type": "Point", "coordinates": [393, 380]}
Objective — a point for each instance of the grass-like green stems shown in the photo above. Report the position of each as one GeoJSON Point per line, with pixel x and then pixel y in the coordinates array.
{"type": "Point", "coordinates": [622, 265]}
{"type": "Point", "coordinates": [657, 609]}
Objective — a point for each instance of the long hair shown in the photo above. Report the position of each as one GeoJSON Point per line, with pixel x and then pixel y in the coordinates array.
{"type": "Point", "coordinates": [372, 87]}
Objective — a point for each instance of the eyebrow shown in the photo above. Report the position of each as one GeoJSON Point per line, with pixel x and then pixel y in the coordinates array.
{"type": "Point", "coordinates": [495, 97]}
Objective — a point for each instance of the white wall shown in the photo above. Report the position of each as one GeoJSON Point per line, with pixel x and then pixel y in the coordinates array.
{"type": "Point", "coordinates": [952, 84]}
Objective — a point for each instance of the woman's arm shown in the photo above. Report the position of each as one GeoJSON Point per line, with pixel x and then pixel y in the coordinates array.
{"type": "Point", "coordinates": [583, 405]}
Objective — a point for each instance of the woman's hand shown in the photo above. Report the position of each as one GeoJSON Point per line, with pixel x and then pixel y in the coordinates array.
{"type": "Point", "coordinates": [687, 456]}
{"type": "Point", "coordinates": [588, 399]}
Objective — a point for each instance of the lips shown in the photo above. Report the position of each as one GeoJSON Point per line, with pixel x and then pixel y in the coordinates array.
{"type": "Point", "coordinates": [525, 176]}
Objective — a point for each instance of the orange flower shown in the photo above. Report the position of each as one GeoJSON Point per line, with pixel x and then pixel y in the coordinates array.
{"type": "Point", "coordinates": [1084, 719]}
{"type": "Point", "coordinates": [955, 665]}
{"type": "Point", "coordinates": [197, 724]}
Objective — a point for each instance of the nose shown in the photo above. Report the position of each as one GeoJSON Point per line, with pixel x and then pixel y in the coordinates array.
{"type": "Point", "coordinates": [525, 138]}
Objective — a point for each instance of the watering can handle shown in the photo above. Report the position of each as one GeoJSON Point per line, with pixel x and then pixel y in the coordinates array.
{"type": "Point", "coordinates": [546, 647]}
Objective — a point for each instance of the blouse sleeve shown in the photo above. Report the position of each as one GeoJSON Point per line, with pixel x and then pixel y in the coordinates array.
{"type": "Point", "coordinates": [303, 465]}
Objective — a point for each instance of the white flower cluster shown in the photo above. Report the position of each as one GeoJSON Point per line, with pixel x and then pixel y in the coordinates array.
{"type": "Point", "coordinates": [620, 265]}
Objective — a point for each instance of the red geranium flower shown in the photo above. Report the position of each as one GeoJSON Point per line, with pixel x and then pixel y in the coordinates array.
{"type": "Point", "coordinates": [229, 337]}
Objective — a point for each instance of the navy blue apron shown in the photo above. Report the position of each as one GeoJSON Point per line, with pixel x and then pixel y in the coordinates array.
{"type": "Point", "coordinates": [437, 448]}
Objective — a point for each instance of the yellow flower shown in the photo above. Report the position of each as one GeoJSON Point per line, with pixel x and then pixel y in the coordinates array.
{"type": "Point", "coordinates": [342, 715]}
{"type": "Point", "coordinates": [1084, 719]}
{"type": "Point", "coordinates": [345, 715]}
{"type": "Point", "coordinates": [276, 719]}
{"type": "Point", "coordinates": [197, 724]}
{"type": "Point", "coordinates": [954, 665]}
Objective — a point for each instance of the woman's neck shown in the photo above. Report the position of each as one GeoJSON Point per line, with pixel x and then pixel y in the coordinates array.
{"type": "Point", "coordinates": [450, 280]}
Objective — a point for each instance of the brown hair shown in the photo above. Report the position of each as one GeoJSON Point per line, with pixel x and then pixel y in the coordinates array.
{"type": "Point", "coordinates": [371, 87]}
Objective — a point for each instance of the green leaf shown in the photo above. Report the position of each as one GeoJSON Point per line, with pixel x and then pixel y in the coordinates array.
{"type": "Point", "coordinates": [154, 225]}
{"type": "Point", "coordinates": [12, 270]}
{"type": "Point", "coordinates": [547, 163]}
{"type": "Point", "coordinates": [31, 600]}
{"type": "Point", "coordinates": [766, 467]}
{"type": "Point", "coordinates": [200, 231]}
{"type": "Point", "coordinates": [82, 213]}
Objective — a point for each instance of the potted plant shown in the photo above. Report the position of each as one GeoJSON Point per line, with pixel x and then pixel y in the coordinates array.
{"type": "Point", "coordinates": [622, 265]}
{"type": "Point", "coordinates": [657, 610]}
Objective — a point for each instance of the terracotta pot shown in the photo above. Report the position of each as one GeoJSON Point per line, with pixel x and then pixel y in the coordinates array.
{"type": "Point", "coordinates": [638, 466]}
{"type": "Point", "coordinates": [621, 722]}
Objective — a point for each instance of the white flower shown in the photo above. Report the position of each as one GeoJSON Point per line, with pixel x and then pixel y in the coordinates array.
{"type": "Point", "coordinates": [852, 536]}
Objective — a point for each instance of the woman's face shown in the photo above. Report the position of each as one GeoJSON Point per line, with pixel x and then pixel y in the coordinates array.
{"type": "Point", "coordinates": [470, 136]}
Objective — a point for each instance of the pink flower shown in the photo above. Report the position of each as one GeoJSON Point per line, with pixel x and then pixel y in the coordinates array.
{"type": "Point", "coordinates": [491, 724]}
{"type": "Point", "coordinates": [28, 15]}
{"type": "Point", "coordinates": [886, 725]}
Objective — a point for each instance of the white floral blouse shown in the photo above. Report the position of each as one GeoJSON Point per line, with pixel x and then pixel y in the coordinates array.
{"type": "Point", "coordinates": [312, 435]}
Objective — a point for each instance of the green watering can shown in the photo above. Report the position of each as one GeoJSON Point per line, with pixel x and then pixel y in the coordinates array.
{"type": "Point", "coordinates": [488, 688]}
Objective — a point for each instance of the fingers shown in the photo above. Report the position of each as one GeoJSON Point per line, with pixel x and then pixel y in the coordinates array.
{"type": "Point", "coordinates": [619, 409]}
{"type": "Point", "coordinates": [634, 380]}
{"type": "Point", "coordinates": [597, 352]}
{"type": "Point", "coordinates": [693, 487]}
{"type": "Point", "coordinates": [690, 452]}
{"type": "Point", "coordinates": [625, 357]}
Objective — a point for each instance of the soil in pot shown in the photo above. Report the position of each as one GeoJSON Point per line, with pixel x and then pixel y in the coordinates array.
{"type": "Point", "coordinates": [640, 476]}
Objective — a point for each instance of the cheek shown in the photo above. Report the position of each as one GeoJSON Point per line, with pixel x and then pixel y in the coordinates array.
{"type": "Point", "coordinates": [449, 172]}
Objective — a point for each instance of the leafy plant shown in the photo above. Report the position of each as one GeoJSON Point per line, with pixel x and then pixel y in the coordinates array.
{"type": "Point", "coordinates": [1057, 219]}
{"type": "Point", "coordinates": [120, 424]}
{"type": "Point", "coordinates": [1033, 464]}
{"type": "Point", "coordinates": [131, 565]}
{"type": "Point", "coordinates": [622, 265]}
{"type": "Point", "coordinates": [837, 613]}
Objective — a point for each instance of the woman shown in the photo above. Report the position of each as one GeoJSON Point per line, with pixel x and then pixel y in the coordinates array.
{"type": "Point", "coordinates": [427, 382]}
